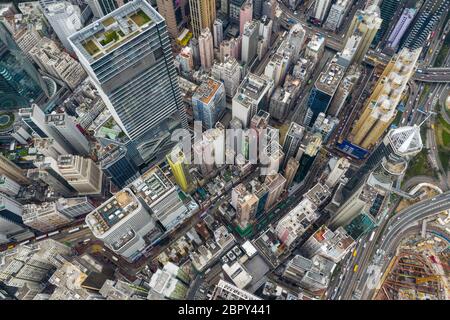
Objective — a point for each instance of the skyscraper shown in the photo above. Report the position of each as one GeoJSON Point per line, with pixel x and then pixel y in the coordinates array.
{"type": "Point", "coordinates": [63, 129]}
{"type": "Point", "coordinates": [101, 8]}
{"type": "Point", "coordinates": [81, 173]}
{"type": "Point", "coordinates": [12, 171]}
{"type": "Point", "coordinates": [292, 141]}
{"type": "Point", "coordinates": [143, 95]}
{"type": "Point", "coordinates": [10, 216]}
{"type": "Point", "coordinates": [399, 143]}
{"type": "Point", "coordinates": [203, 14]}
{"type": "Point", "coordinates": [365, 24]}
{"type": "Point", "coordinates": [180, 169]}
{"type": "Point", "coordinates": [380, 109]}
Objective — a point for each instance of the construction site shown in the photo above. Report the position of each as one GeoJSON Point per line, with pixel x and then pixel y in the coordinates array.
{"type": "Point", "coordinates": [419, 270]}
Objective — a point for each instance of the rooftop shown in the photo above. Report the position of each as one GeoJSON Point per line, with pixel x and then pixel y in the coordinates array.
{"type": "Point", "coordinates": [329, 79]}
{"type": "Point", "coordinates": [112, 211]}
{"type": "Point", "coordinates": [152, 185]}
{"type": "Point", "coordinates": [206, 91]}
{"type": "Point", "coordinates": [114, 29]}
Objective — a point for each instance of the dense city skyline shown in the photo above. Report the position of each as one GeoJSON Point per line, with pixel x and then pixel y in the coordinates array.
{"type": "Point", "coordinates": [224, 150]}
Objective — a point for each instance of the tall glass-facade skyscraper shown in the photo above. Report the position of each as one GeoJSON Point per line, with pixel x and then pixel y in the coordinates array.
{"type": "Point", "coordinates": [20, 82]}
{"type": "Point", "coordinates": [128, 55]}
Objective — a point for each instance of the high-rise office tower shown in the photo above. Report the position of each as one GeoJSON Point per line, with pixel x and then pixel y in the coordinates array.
{"type": "Point", "coordinates": [47, 172]}
{"type": "Point", "coordinates": [117, 163]}
{"type": "Point", "coordinates": [388, 8]}
{"type": "Point", "coordinates": [324, 89]}
{"type": "Point", "coordinates": [180, 168]}
{"type": "Point", "coordinates": [63, 129]}
{"type": "Point", "coordinates": [20, 82]}
{"type": "Point", "coordinates": [337, 170]}
{"type": "Point", "coordinates": [365, 24]}
{"type": "Point", "coordinates": [12, 171]}
{"type": "Point", "coordinates": [250, 38]}
{"type": "Point", "coordinates": [206, 47]}
{"type": "Point", "coordinates": [218, 32]}
{"type": "Point", "coordinates": [176, 15]}
{"type": "Point", "coordinates": [245, 15]}
{"type": "Point", "coordinates": [292, 141]}
{"type": "Point", "coordinates": [101, 8]}
{"type": "Point", "coordinates": [81, 173]}
{"type": "Point", "coordinates": [380, 109]}
{"type": "Point", "coordinates": [401, 27]}
{"type": "Point", "coordinates": [65, 19]}
{"type": "Point", "coordinates": [400, 143]}
{"type": "Point", "coordinates": [203, 14]}
{"type": "Point", "coordinates": [329, 244]}
{"type": "Point", "coordinates": [208, 102]}
{"type": "Point", "coordinates": [121, 223]}
{"type": "Point", "coordinates": [321, 8]}
{"type": "Point", "coordinates": [143, 95]}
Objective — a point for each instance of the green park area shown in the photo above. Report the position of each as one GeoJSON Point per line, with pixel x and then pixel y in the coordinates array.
{"type": "Point", "coordinates": [442, 131]}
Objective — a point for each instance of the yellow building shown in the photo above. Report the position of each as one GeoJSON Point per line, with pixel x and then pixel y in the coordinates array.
{"type": "Point", "coordinates": [203, 14]}
{"type": "Point", "coordinates": [180, 169]}
{"type": "Point", "coordinates": [365, 24]}
{"type": "Point", "coordinates": [380, 109]}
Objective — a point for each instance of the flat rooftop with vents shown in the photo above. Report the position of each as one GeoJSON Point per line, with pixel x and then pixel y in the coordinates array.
{"type": "Point", "coordinates": [112, 211]}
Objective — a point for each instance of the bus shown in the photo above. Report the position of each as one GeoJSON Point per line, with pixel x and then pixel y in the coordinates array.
{"type": "Point", "coordinates": [372, 235]}
{"type": "Point", "coordinates": [354, 253]}
{"type": "Point", "coordinates": [355, 268]}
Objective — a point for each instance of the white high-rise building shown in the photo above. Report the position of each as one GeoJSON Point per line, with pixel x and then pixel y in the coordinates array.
{"type": "Point", "coordinates": [337, 13]}
{"type": "Point", "coordinates": [121, 223]}
{"type": "Point", "coordinates": [252, 95]}
{"type": "Point", "coordinates": [64, 130]}
{"type": "Point", "coordinates": [250, 41]}
{"type": "Point", "coordinates": [218, 32]}
{"type": "Point", "coordinates": [34, 118]}
{"type": "Point", "coordinates": [205, 41]}
{"type": "Point", "coordinates": [321, 8]}
{"type": "Point", "coordinates": [338, 169]}
{"type": "Point", "coordinates": [65, 20]}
